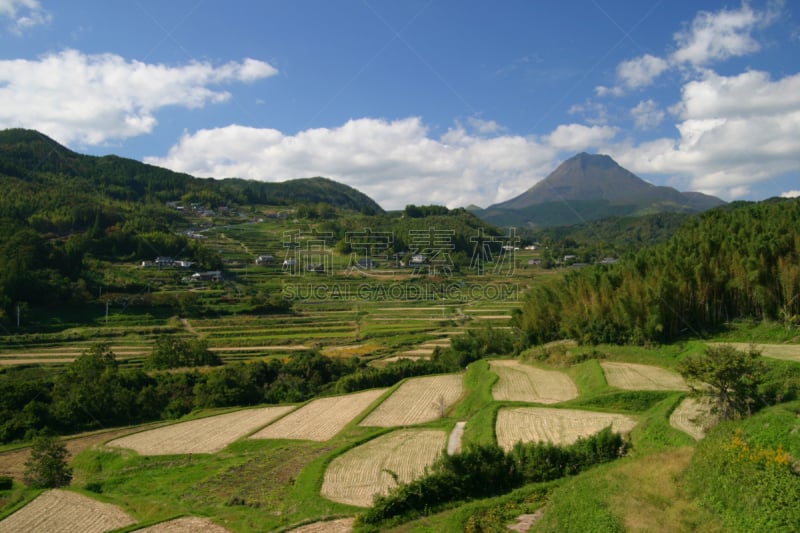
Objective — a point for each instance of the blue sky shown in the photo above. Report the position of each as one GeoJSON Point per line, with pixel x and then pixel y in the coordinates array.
{"type": "Point", "coordinates": [432, 101]}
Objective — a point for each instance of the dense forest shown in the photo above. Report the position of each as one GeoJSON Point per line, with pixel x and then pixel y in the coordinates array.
{"type": "Point", "coordinates": [735, 262]}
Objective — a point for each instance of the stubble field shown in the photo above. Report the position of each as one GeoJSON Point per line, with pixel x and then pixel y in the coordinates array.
{"type": "Point", "coordinates": [57, 511]}
{"type": "Point", "coordinates": [357, 475]}
{"type": "Point", "coordinates": [630, 376]}
{"type": "Point", "coordinates": [204, 435]}
{"type": "Point", "coordinates": [416, 401]}
{"type": "Point", "coordinates": [523, 383]}
{"type": "Point", "coordinates": [320, 419]}
{"type": "Point", "coordinates": [558, 426]}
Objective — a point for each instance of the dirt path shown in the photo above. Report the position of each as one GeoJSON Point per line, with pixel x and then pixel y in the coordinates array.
{"type": "Point", "coordinates": [454, 442]}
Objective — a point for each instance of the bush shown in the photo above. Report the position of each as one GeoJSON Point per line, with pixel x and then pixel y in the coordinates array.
{"type": "Point", "coordinates": [176, 352]}
{"type": "Point", "coordinates": [484, 471]}
{"type": "Point", "coordinates": [6, 483]}
{"type": "Point", "coordinates": [47, 465]}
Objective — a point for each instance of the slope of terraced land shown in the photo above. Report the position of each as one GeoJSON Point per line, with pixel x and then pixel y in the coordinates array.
{"type": "Point", "coordinates": [630, 376]}
{"type": "Point", "coordinates": [692, 416]}
{"type": "Point", "coordinates": [320, 419]}
{"type": "Point", "coordinates": [61, 511]}
{"type": "Point", "coordinates": [357, 475]}
{"type": "Point", "coordinates": [204, 435]}
{"type": "Point", "coordinates": [558, 426]}
{"type": "Point", "coordinates": [523, 383]}
{"type": "Point", "coordinates": [416, 401]}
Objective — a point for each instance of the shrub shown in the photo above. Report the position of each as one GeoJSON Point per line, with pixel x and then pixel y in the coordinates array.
{"type": "Point", "coordinates": [6, 483]}
{"type": "Point", "coordinates": [47, 466]}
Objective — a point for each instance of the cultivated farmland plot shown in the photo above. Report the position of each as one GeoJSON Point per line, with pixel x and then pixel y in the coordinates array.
{"type": "Point", "coordinates": [558, 426]}
{"type": "Point", "coordinates": [57, 511]}
{"type": "Point", "coordinates": [787, 352]}
{"type": "Point", "coordinates": [523, 383]}
{"type": "Point", "coordinates": [320, 419]}
{"type": "Point", "coordinates": [692, 417]}
{"type": "Point", "coordinates": [416, 401]}
{"type": "Point", "coordinates": [631, 376]}
{"type": "Point", "coordinates": [357, 475]}
{"type": "Point", "coordinates": [205, 435]}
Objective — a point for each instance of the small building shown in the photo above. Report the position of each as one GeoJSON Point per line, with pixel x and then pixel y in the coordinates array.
{"type": "Point", "coordinates": [608, 261]}
{"type": "Point", "coordinates": [418, 259]}
{"type": "Point", "coordinates": [265, 259]}
{"type": "Point", "coordinates": [211, 275]}
{"type": "Point", "coordinates": [164, 261]}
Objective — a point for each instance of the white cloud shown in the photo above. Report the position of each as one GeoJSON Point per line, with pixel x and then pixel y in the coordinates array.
{"type": "Point", "coordinates": [734, 132]}
{"type": "Point", "coordinates": [641, 71]}
{"type": "Point", "coordinates": [395, 162]}
{"type": "Point", "coordinates": [790, 194]}
{"type": "Point", "coordinates": [647, 115]}
{"type": "Point", "coordinates": [92, 99]}
{"type": "Point", "coordinates": [484, 126]}
{"type": "Point", "coordinates": [24, 14]}
{"type": "Point", "coordinates": [710, 37]}
{"type": "Point", "coordinates": [720, 35]}
{"type": "Point", "coordinates": [577, 137]}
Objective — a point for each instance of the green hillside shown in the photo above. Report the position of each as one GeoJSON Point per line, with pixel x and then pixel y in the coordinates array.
{"type": "Point", "coordinates": [478, 341]}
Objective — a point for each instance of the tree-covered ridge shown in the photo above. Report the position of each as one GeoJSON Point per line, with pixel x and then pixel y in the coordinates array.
{"type": "Point", "coordinates": [40, 162]}
{"type": "Point", "coordinates": [738, 261]}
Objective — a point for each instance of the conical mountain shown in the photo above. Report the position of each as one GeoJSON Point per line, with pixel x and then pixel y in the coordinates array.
{"type": "Point", "coordinates": [588, 187]}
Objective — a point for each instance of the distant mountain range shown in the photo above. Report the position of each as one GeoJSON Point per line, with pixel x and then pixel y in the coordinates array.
{"type": "Point", "coordinates": [589, 187]}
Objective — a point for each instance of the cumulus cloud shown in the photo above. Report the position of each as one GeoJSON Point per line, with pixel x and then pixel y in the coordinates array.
{"type": "Point", "coordinates": [577, 137]}
{"type": "Point", "coordinates": [735, 131]}
{"type": "Point", "coordinates": [24, 14]}
{"type": "Point", "coordinates": [709, 38]}
{"type": "Point", "coordinates": [92, 99]}
{"type": "Point", "coordinates": [641, 71]}
{"type": "Point", "coordinates": [790, 194]}
{"type": "Point", "coordinates": [718, 36]}
{"type": "Point", "coordinates": [647, 115]}
{"type": "Point", "coordinates": [395, 162]}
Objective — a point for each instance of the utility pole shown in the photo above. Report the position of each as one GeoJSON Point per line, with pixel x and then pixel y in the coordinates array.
{"type": "Point", "coordinates": [107, 312]}
{"type": "Point", "coordinates": [18, 313]}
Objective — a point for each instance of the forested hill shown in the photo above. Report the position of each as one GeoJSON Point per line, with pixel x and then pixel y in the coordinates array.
{"type": "Point", "coordinates": [741, 261]}
{"type": "Point", "coordinates": [33, 164]}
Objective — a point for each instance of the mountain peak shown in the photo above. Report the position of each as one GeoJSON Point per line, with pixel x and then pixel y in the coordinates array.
{"type": "Point", "coordinates": [597, 184]}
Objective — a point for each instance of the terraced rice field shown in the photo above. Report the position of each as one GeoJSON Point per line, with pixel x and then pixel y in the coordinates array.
{"type": "Point", "coordinates": [523, 383]}
{"type": "Point", "coordinates": [204, 435]}
{"type": "Point", "coordinates": [692, 416]}
{"type": "Point", "coordinates": [558, 426]}
{"type": "Point", "coordinates": [61, 511]}
{"type": "Point", "coordinates": [631, 376]}
{"type": "Point", "coordinates": [787, 352]}
{"type": "Point", "coordinates": [357, 475]}
{"type": "Point", "coordinates": [416, 401]}
{"type": "Point", "coordinates": [320, 419]}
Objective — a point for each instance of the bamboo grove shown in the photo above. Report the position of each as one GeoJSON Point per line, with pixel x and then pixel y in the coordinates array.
{"type": "Point", "coordinates": [735, 262]}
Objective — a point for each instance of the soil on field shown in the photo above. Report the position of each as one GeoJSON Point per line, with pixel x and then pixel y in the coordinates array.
{"type": "Point", "coordinates": [61, 511]}
{"type": "Point", "coordinates": [13, 463]}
